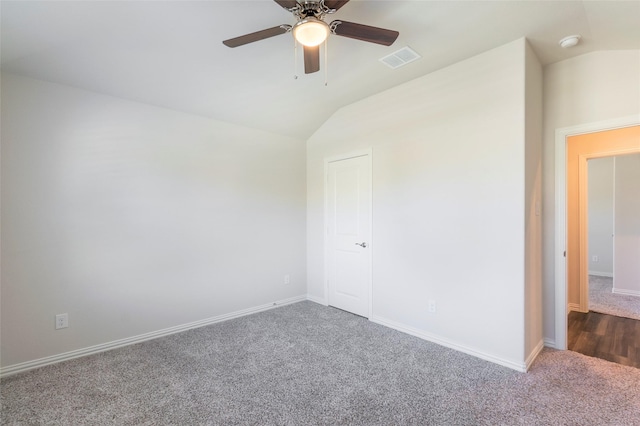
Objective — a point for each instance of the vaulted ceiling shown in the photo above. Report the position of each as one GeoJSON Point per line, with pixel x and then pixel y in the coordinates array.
{"type": "Point", "coordinates": [170, 53]}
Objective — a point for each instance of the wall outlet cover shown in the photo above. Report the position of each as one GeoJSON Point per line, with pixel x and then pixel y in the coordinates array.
{"type": "Point", "coordinates": [62, 321]}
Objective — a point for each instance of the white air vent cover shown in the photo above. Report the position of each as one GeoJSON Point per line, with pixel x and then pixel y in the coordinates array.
{"type": "Point", "coordinates": [400, 58]}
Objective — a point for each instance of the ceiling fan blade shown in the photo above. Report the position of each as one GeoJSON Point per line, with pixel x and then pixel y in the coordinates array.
{"type": "Point", "coordinates": [335, 4]}
{"type": "Point", "coordinates": [365, 32]}
{"type": "Point", "coordinates": [257, 36]}
{"type": "Point", "coordinates": [311, 59]}
{"type": "Point", "coordinates": [287, 4]}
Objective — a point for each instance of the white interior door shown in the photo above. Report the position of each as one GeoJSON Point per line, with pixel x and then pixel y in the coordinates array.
{"type": "Point", "coordinates": [348, 260]}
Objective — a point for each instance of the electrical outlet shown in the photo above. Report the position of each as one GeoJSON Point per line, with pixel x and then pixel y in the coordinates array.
{"type": "Point", "coordinates": [594, 258]}
{"type": "Point", "coordinates": [432, 306]}
{"type": "Point", "coordinates": [62, 321]}
{"type": "Point", "coordinates": [287, 279]}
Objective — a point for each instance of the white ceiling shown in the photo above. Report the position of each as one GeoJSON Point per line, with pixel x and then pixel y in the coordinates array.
{"type": "Point", "coordinates": [170, 53]}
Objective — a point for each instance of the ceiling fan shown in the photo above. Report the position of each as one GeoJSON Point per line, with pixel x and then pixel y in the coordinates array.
{"type": "Point", "coordinates": [311, 30]}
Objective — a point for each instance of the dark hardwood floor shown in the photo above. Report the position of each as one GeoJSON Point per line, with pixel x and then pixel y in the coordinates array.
{"type": "Point", "coordinates": [604, 336]}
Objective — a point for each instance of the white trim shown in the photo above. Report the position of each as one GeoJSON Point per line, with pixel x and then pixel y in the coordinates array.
{"type": "Point", "coordinates": [319, 300]}
{"type": "Point", "coordinates": [626, 292]}
{"type": "Point", "coordinates": [347, 156]}
{"type": "Point", "coordinates": [613, 211]}
{"type": "Point", "coordinates": [371, 245]}
{"type": "Point", "coordinates": [368, 152]}
{"type": "Point", "coordinates": [560, 241]}
{"type": "Point", "coordinates": [561, 135]}
{"type": "Point", "coordinates": [54, 359]}
{"type": "Point", "coordinates": [550, 343]}
{"type": "Point", "coordinates": [533, 355]}
{"type": "Point", "coordinates": [601, 274]}
{"type": "Point", "coordinates": [518, 366]}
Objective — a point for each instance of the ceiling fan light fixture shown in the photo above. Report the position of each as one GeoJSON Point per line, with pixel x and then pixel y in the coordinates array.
{"type": "Point", "coordinates": [311, 31]}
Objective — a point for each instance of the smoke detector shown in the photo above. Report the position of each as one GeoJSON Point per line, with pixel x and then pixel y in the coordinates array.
{"type": "Point", "coordinates": [569, 41]}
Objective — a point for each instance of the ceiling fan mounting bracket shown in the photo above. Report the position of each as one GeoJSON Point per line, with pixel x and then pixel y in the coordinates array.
{"type": "Point", "coordinates": [306, 9]}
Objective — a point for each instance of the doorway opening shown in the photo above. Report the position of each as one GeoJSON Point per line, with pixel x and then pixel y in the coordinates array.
{"type": "Point", "coordinates": [613, 219]}
{"type": "Point", "coordinates": [595, 334]}
{"type": "Point", "coordinates": [571, 253]}
{"type": "Point", "coordinates": [580, 150]}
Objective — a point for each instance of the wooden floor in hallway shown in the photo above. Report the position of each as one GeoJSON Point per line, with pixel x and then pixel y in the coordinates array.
{"type": "Point", "coordinates": [615, 339]}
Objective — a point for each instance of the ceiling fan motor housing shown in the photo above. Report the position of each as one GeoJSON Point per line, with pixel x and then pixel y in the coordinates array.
{"type": "Point", "coordinates": [315, 9]}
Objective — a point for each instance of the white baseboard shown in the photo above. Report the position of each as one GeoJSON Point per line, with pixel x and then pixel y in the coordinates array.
{"type": "Point", "coordinates": [601, 274]}
{"type": "Point", "coordinates": [29, 365]}
{"type": "Point", "coordinates": [550, 343]}
{"type": "Point", "coordinates": [534, 354]}
{"type": "Point", "coordinates": [320, 300]}
{"type": "Point", "coordinates": [626, 292]}
{"type": "Point", "coordinates": [522, 367]}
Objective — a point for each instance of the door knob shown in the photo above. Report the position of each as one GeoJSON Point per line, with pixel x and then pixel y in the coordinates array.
{"type": "Point", "coordinates": [363, 245]}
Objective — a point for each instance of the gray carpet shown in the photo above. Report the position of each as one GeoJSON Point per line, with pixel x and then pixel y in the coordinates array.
{"type": "Point", "coordinates": [305, 364]}
{"type": "Point", "coordinates": [602, 300]}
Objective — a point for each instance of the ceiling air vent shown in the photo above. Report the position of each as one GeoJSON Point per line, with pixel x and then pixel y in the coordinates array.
{"type": "Point", "coordinates": [400, 57]}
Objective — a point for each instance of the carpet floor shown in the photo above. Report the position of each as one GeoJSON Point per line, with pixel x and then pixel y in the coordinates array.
{"type": "Point", "coordinates": [306, 364]}
{"type": "Point", "coordinates": [602, 300]}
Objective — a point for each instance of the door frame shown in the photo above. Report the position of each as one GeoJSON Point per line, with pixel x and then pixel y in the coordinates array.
{"type": "Point", "coordinates": [560, 235]}
{"type": "Point", "coordinates": [368, 152]}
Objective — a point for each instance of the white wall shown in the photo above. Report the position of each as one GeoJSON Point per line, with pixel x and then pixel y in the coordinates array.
{"type": "Point", "coordinates": [626, 274]}
{"type": "Point", "coordinates": [448, 202]}
{"type": "Point", "coordinates": [590, 88]}
{"type": "Point", "coordinates": [600, 214]}
{"type": "Point", "coordinates": [132, 218]}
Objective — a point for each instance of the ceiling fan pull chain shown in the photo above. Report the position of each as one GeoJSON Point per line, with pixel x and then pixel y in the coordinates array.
{"type": "Point", "coordinates": [295, 59]}
{"type": "Point", "coordinates": [326, 64]}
